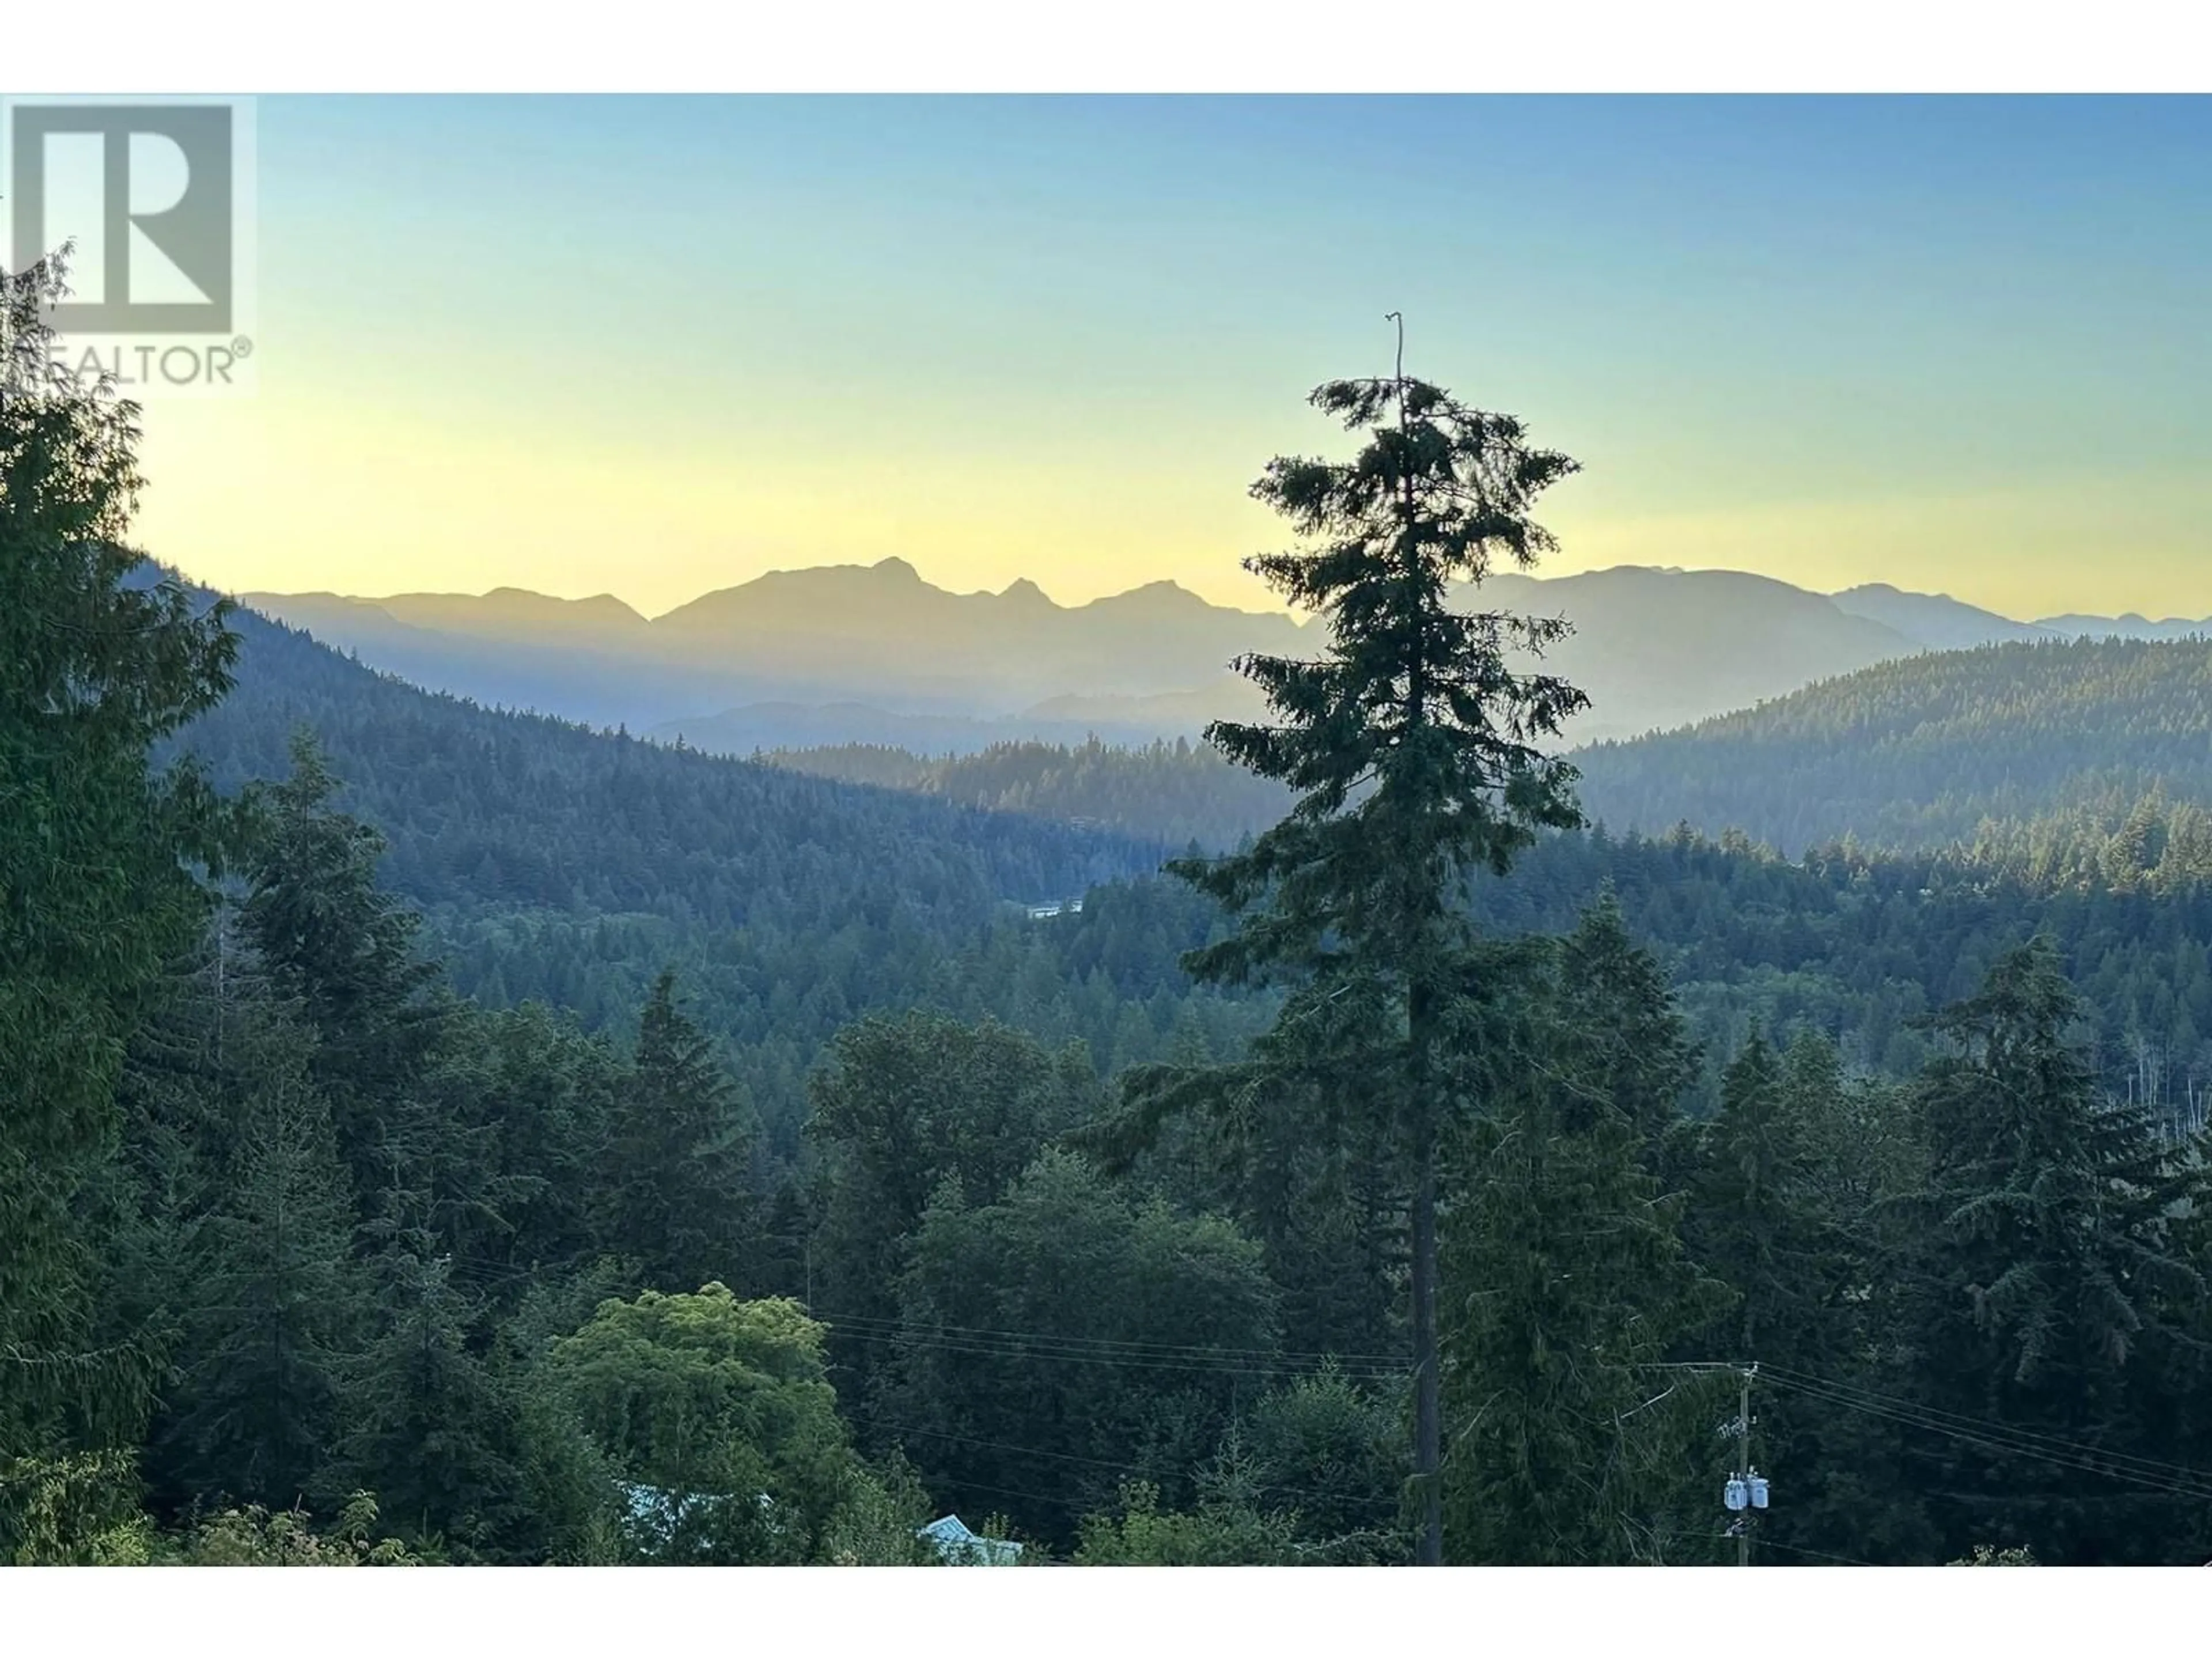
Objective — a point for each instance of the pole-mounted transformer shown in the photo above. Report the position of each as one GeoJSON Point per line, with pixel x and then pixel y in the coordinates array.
{"type": "Point", "coordinates": [1745, 1488]}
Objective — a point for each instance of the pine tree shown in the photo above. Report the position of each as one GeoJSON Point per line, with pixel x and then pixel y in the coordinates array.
{"type": "Point", "coordinates": [231, 1232]}
{"type": "Point", "coordinates": [1746, 1197]}
{"type": "Point", "coordinates": [680, 1205]}
{"type": "Point", "coordinates": [188, 1064]}
{"type": "Point", "coordinates": [2053, 1288]}
{"type": "Point", "coordinates": [337, 941]}
{"type": "Point", "coordinates": [425, 1425]}
{"type": "Point", "coordinates": [1619, 1030]}
{"type": "Point", "coordinates": [276, 1299]}
{"type": "Point", "coordinates": [1566, 1281]}
{"type": "Point", "coordinates": [1413, 746]}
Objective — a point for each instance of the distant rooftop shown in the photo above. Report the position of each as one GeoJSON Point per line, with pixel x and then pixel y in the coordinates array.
{"type": "Point", "coordinates": [959, 1547]}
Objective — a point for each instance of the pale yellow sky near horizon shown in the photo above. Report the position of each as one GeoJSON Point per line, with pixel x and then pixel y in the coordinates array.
{"type": "Point", "coordinates": [248, 505]}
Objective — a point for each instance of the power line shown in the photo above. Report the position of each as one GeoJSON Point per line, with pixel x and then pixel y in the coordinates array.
{"type": "Point", "coordinates": [1169, 1348]}
{"type": "Point", "coordinates": [1989, 1432]}
{"type": "Point", "coordinates": [1105, 1463]}
{"type": "Point", "coordinates": [1016, 1352]}
{"type": "Point", "coordinates": [1984, 1432]}
{"type": "Point", "coordinates": [1054, 1349]}
{"type": "Point", "coordinates": [1794, 1549]}
{"type": "Point", "coordinates": [1991, 1425]}
{"type": "Point", "coordinates": [2084, 1460]}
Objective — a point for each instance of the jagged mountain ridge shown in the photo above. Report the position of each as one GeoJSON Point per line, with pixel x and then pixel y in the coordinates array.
{"type": "Point", "coordinates": [875, 653]}
{"type": "Point", "coordinates": [875, 635]}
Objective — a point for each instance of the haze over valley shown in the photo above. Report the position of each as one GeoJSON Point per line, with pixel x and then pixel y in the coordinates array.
{"type": "Point", "coordinates": [875, 654]}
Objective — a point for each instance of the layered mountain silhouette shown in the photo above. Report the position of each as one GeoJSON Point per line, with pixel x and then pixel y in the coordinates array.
{"type": "Point", "coordinates": [1936, 621]}
{"type": "Point", "coordinates": [864, 640]}
{"type": "Point", "coordinates": [1654, 649]}
{"type": "Point", "coordinates": [874, 654]}
{"type": "Point", "coordinates": [2129, 627]}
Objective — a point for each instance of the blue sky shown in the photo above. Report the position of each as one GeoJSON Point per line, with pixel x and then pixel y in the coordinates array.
{"type": "Point", "coordinates": [657, 346]}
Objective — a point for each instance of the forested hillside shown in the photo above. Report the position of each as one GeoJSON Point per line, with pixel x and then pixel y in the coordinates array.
{"type": "Point", "coordinates": [2034, 755]}
{"type": "Point", "coordinates": [1921, 752]}
{"type": "Point", "coordinates": [1172, 794]}
{"type": "Point", "coordinates": [546, 859]}
{"type": "Point", "coordinates": [570, 866]}
{"type": "Point", "coordinates": [495, 806]}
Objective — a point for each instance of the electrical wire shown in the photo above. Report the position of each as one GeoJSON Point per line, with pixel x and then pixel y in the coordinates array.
{"type": "Point", "coordinates": [1758, 1543]}
{"type": "Point", "coordinates": [1985, 1432]}
{"type": "Point", "coordinates": [1101, 1462]}
{"type": "Point", "coordinates": [2086, 1461]}
{"type": "Point", "coordinates": [1170, 1349]}
{"type": "Point", "coordinates": [1048, 1348]}
{"type": "Point", "coordinates": [1783, 1374]}
{"type": "Point", "coordinates": [1016, 1353]}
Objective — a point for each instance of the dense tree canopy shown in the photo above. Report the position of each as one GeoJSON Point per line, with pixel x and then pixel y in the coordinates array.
{"type": "Point", "coordinates": [96, 668]}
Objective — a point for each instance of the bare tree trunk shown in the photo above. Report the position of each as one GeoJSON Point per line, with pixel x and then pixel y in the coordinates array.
{"type": "Point", "coordinates": [1428, 1420]}
{"type": "Point", "coordinates": [1428, 1411]}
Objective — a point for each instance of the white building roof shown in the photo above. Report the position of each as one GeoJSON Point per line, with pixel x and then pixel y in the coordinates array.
{"type": "Point", "coordinates": [959, 1546]}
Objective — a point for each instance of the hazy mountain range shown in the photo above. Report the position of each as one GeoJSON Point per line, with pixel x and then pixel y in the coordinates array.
{"type": "Point", "coordinates": [859, 645]}
{"type": "Point", "coordinates": [876, 655]}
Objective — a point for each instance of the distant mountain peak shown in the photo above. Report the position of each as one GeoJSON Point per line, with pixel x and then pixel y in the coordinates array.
{"type": "Point", "coordinates": [1155, 596]}
{"type": "Point", "coordinates": [896, 567]}
{"type": "Point", "coordinates": [2133, 626]}
{"type": "Point", "coordinates": [1023, 591]}
{"type": "Point", "coordinates": [1934, 622]}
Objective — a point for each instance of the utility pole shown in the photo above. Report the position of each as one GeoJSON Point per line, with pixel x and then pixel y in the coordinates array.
{"type": "Point", "coordinates": [1743, 1426]}
{"type": "Point", "coordinates": [1747, 1489]}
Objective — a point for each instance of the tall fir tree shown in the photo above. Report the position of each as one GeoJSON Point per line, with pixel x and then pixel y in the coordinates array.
{"type": "Point", "coordinates": [1414, 748]}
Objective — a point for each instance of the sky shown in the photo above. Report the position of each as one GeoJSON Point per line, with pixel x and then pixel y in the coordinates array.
{"type": "Point", "coordinates": [657, 347]}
